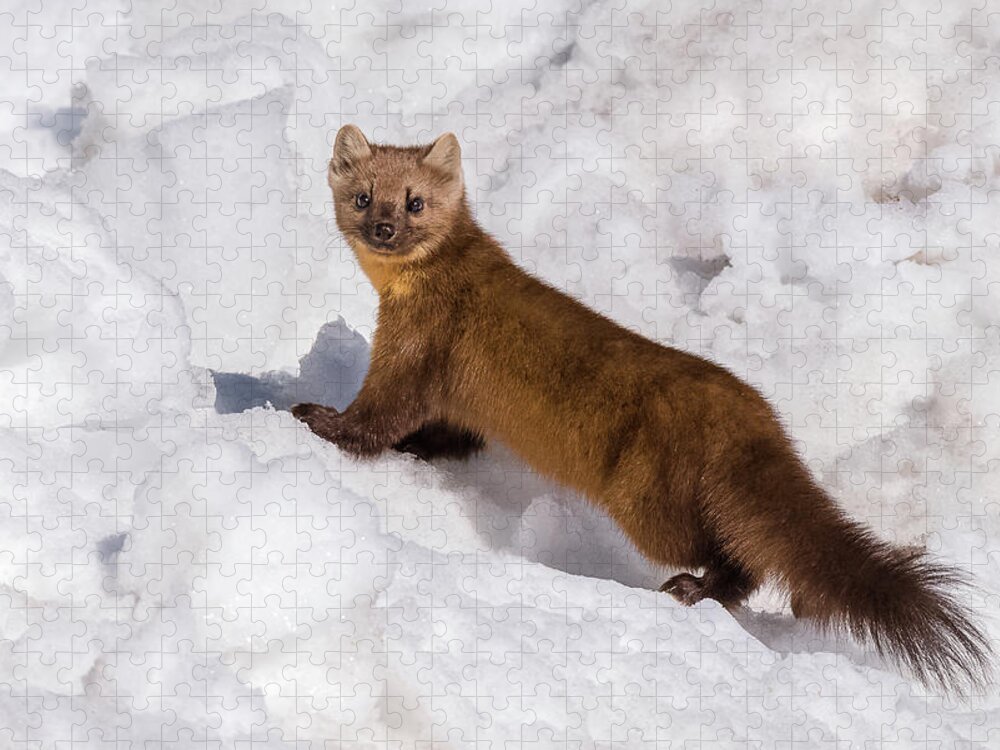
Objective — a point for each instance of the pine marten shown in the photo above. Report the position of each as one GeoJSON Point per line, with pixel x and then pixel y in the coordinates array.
{"type": "Point", "coordinates": [689, 460]}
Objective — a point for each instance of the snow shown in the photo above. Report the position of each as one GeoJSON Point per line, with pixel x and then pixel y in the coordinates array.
{"type": "Point", "coordinates": [181, 562]}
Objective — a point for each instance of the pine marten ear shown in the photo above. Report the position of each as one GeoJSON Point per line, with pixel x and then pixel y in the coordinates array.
{"type": "Point", "coordinates": [445, 155]}
{"type": "Point", "coordinates": [350, 147]}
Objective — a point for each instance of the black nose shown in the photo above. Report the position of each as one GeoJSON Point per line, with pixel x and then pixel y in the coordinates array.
{"type": "Point", "coordinates": [384, 232]}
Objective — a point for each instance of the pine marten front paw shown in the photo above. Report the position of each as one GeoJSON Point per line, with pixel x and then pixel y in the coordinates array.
{"type": "Point", "coordinates": [329, 424]}
{"type": "Point", "coordinates": [318, 418]}
{"type": "Point", "coordinates": [301, 411]}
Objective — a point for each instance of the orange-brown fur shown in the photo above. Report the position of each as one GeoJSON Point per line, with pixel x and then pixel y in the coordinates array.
{"type": "Point", "coordinates": [690, 461]}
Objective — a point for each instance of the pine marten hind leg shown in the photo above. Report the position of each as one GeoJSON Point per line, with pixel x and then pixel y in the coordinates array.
{"type": "Point", "coordinates": [441, 440]}
{"type": "Point", "coordinates": [722, 580]}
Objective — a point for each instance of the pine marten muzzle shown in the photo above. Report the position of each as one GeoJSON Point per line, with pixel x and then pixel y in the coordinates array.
{"type": "Point", "coordinates": [689, 460]}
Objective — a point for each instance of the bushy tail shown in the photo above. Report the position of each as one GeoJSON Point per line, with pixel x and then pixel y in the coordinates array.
{"type": "Point", "coordinates": [903, 604]}
{"type": "Point", "coordinates": [842, 576]}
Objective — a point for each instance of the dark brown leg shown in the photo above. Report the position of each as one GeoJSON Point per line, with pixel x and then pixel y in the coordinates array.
{"type": "Point", "coordinates": [722, 580]}
{"type": "Point", "coordinates": [440, 440]}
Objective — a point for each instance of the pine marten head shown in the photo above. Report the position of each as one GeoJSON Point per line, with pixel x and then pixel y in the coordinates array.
{"type": "Point", "coordinates": [395, 204]}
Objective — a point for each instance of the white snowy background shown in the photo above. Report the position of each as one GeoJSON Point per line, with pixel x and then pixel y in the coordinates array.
{"type": "Point", "coordinates": [809, 197]}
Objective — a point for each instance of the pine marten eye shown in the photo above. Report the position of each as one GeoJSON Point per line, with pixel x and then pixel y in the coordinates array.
{"type": "Point", "coordinates": [415, 206]}
{"type": "Point", "coordinates": [361, 200]}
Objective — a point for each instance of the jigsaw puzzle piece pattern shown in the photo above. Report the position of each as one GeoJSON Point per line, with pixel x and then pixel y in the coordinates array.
{"type": "Point", "coordinates": [804, 194]}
